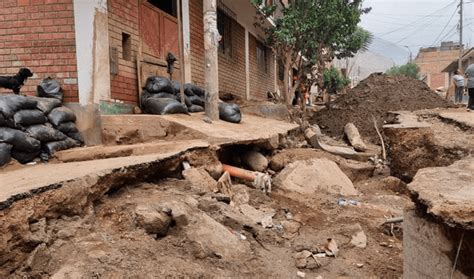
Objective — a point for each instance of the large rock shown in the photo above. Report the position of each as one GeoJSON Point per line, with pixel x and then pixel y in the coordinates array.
{"type": "Point", "coordinates": [255, 161]}
{"type": "Point", "coordinates": [313, 176]}
{"type": "Point", "coordinates": [200, 180]}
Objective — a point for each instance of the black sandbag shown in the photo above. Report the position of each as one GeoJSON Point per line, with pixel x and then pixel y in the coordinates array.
{"type": "Point", "coordinates": [77, 137]}
{"type": "Point", "coordinates": [163, 106]}
{"type": "Point", "coordinates": [196, 100]}
{"type": "Point", "coordinates": [67, 127]}
{"type": "Point", "coordinates": [54, 146]}
{"type": "Point", "coordinates": [164, 95]}
{"type": "Point", "coordinates": [158, 84]}
{"type": "Point", "coordinates": [230, 112]}
{"type": "Point", "coordinates": [50, 88]}
{"type": "Point", "coordinates": [195, 89]}
{"type": "Point", "coordinates": [195, 108]}
{"type": "Point", "coordinates": [29, 117]}
{"type": "Point", "coordinates": [61, 115]}
{"type": "Point", "coordinates": [46, 105]}
{"type": "Point", "coordinates": [5, 153]}
{"type": "Point", "coordinates": [10, 104]}
{"type": "Point", "coordinates": [3, 121]}
{"type": "Point", "coordinates": [20, 140]}
{"type": "Point", "coordinates": [24, 157]}
{"type": "Point", "coordinates": [187, 89]}
{"type": "Point", "coordinates": [44, 133]}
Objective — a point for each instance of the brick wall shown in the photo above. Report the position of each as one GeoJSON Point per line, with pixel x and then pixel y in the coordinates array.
{"type": "Point", "coordinates": [39, 34]}
{"type": "Point", "coordinates": [260, 81]}
{"type": "Point", "coordinates": [197, 42]}
{"type": "Point", "coordinates": [431, 63]}
{"type": "Point", "coordinates": [123, 18]}
{"type": "Point", "coordinates": [231, 68]}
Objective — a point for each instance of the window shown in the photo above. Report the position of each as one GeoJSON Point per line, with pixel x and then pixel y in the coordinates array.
{"type": "Point", "coordinates": [224, 25]}
{"type": "Point", "coordinates": [262, 57]}
{"type": "Point", "coordinates": [126, 47]}
{"type": "Point", "coordinates": [167, 6]}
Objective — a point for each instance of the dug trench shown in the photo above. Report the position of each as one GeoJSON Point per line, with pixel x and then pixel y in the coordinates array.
{"type": "Point", "coordinates": [156, 220]}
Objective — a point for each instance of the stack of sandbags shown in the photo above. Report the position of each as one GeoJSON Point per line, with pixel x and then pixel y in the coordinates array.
{"type": "Point", "coordinates": [162, 96]}
{"type": "Point", "coordinates": [34, 126]}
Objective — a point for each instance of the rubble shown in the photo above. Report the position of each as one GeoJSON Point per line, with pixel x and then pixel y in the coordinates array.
{"type": "Point", "coordinates": [354, 137]}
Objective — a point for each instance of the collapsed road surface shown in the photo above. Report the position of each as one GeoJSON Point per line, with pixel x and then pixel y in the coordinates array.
{"type": "Point", "coordinates": [133, 214]}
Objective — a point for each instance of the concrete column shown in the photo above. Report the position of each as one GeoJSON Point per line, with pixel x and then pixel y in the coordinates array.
{"type": "Point", "coordinates": [92, 50]}
{"type": "Point", "coordinates": [247, 65]}
{"type": "Point", "coordinates": [275, 72]}
{"type": "Point", "coordinates": [186, 40]}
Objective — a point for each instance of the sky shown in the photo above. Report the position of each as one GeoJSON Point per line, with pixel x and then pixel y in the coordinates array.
{"type": "Point", "coordinates": [410, 24]}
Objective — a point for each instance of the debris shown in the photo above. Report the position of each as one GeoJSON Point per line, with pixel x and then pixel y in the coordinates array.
{"type": "Point", "coordinates": [331, 247]}
{"type": "Point", "coordinates": [267, 221]}
{"type": "Point", "coordinates": [301, 258]}
{"type": "Point", "coordinates": [320, 255]}
{"type": "Point", "coordinates": [344, 202]}
{"type": "Point", "coordinates": [313, 135]}
{"type": "Point", "coordinates": [224, 184]}
{"type": "Point", "coordinates": [255, 161]}
{"type": "Point", "coordinates": [360, 265]}
{"type": "Point", "coordinates": [394, 220]}
{"type": "Point", "coordinates": [313, 176]}
{"type": "Point", "coordinates": [263, 182]}
{"type": "Point", "coordinates": [354, 137]}
{"type": "Point", "coordinates": [300, 274]}
{"type": "Point", "coordinates": [240, 195]}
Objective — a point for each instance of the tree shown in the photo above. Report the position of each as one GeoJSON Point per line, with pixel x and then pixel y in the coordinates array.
{"type": "Point", "coordinates": [334, 81]}
{"type": "Point", "coordinates": [409, 70]}
{"type": "Point", "coordinates": [308, 34]}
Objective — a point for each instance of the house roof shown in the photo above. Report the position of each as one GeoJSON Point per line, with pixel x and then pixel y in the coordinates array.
{"type": "Point", "coordinates": [453, 66]}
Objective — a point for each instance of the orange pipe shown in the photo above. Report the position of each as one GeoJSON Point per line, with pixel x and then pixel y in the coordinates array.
{"type": "Point", "coordinates": [239, 173]}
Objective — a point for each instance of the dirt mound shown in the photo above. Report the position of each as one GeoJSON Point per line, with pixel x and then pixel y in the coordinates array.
{"type": "Point", "coordinates": [375, 96]}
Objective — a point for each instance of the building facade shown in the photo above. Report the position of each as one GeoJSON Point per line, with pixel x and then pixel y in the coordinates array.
{"type": "Point", "coordinates": [433, 60]}
{"type": "Point", "coordinates": [103, 50]}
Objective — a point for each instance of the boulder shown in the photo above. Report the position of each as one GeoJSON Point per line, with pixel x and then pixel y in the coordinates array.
{"type": "Point", "coordinates": [255, 161]}
{"type": "Point", "coordinates": [313, 176]}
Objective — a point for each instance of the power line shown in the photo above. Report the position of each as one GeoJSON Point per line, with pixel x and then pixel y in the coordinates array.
{"type": "Point", "coordinates": [444, 28]}
{"type": "Point", "coordinates": [422, 19]}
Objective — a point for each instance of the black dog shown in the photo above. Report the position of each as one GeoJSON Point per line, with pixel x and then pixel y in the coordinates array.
{"type": "Point", "coordinates": [16, 82]}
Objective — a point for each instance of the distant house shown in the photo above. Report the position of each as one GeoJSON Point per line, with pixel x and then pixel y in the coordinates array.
{"type": "Point", "coordinates": [467, 59]}
{"type": "Point", "coordinates": [433, 60]}
{"type": "Point", "coordinates": [99, 50]}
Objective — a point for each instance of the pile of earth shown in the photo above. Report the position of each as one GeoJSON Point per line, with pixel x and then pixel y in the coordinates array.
{"type": "Point", "coordinates": [374, 97]}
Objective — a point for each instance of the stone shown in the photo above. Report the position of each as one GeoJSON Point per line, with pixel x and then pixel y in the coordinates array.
{"type": "Point", "coordinates": [354, 137]}
{"type": "Point", "coordinates": [300, 274]}
{"type": "Point", "coordinates": [152, 220]}
{"type": "Point", "coordinates": [290, 229]}
{"type": "Point", "coordinates": [447, 192]}
{"type": "Point", "coordinates": [255, 161]}
{"type": "Point", "coordinates": [359, 240]}
{"type": "Point", "coordinates": [301, 258]}
{"type": "Point", "coordinates": [224, 185]}
{"type": "Point", "coordinates": [312, 263]}
{"type": "Point", "coordinates": [200, 180]}
{"type": "Point", "coordinates": [240, 195]}
{"type": "Point", "coordinates": [252, 213]}
{"type": "Point", "coordinates": [313, 176]}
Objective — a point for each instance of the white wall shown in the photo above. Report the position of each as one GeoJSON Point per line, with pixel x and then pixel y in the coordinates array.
{"type": "Point", "coordinates": [92, 50]}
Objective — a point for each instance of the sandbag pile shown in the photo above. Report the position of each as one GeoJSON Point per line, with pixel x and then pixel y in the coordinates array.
{"type": "Point", "coordinates": [35, 126]}
{"type": "Point", "coordinates": [162, 96]}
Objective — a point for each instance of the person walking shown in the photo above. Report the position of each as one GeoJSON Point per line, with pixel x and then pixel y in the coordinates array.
{"type": "Point", "coordinates": [470, 86]}
{"type": "Point", "coordinates": [459, 87]}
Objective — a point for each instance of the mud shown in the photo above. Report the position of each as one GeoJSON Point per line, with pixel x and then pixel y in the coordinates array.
{"type": "Point", "coordinates": [374, 97]}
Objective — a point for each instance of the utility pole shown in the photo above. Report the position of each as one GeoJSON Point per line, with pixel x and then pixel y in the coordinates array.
{"type": "Point", "coordinates": [211, 74]}
{"type": "Point", "coordinates": [461, 52]}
